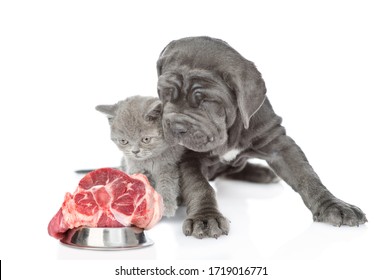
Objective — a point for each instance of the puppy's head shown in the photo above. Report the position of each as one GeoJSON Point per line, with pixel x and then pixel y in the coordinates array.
{"type": "Point", "coordinates": [206, 87]}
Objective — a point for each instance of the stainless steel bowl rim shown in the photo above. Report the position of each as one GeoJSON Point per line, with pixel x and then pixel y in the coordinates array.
{"type": "Point", "coordinates": [106, 239]}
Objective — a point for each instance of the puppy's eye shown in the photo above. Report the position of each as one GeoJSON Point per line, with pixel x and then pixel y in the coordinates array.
{"type": "Point", "coordinates": [146, 140]}
{"type": "Point", "coordinates": [123, 141]}
{"type": "Point", "coordinates": [197, 98]}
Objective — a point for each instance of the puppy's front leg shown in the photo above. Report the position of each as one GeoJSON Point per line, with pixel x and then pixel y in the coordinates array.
{"type": "Point", "coordinates": [290, 163]}
{"type": "Point", "coordinates": [204, 219]}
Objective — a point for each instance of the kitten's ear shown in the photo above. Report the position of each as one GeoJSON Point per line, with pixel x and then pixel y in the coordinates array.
{"type": "Point", "coordinates": [154, 111]}
{"type": "Point", "coordinates": [109, 110]}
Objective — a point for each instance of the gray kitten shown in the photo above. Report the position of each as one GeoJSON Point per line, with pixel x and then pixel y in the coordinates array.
{"type": "Point", "coordinates": [137, 131]}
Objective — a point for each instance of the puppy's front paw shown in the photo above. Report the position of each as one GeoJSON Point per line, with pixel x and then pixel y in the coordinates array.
{"type": "Point", "coordinates": [338, 213]}
{"type": "Point", "coordinates": [207, 226]}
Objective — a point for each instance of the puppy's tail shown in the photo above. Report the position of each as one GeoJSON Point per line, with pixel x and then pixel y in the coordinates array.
{"type": "Point", "coordinates": [85, 171]}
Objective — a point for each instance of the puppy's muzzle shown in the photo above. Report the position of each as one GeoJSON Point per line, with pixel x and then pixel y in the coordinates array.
{"type": "Point", "coordinates": [189, 132]}
{"type": "Point", "coordinates": [177, 128]}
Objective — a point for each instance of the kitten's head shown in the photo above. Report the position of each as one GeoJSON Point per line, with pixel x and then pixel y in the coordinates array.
{"type": "Point", "coordinates": [136, 126]}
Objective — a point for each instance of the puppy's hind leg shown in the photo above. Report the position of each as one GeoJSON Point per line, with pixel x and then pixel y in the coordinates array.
{"type": "Point", "coordinates": [254, 173]}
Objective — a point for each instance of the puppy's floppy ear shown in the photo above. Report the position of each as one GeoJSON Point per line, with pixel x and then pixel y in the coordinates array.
{"type": "Point", "coordinates": [109, 110]}
{"type": "Point", "coordinates": [249, 87]}
{"type": "Point", "coordinates": [163, 58]}
{"type": "Point", "coordinates": [160, 62]}
{"type": "Point", "coordinates": [159, 65]}
{"type": "Point", "coordinates": [154, 111]}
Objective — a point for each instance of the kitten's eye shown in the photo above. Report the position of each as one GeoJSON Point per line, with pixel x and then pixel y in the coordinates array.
{"type": "Point", "coordinates": [123, 141]}
{"type": "Point", "coordinates": [146, 140]}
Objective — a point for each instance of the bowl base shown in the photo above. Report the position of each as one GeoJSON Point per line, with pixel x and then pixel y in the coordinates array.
{"type": "Point", "coordinates": [106, 239]}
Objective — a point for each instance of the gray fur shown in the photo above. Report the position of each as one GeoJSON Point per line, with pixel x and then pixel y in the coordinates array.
{"type": "Point", "coordinates": [215, 104]}
{"type": "Point", "coordinates": [138, 121]}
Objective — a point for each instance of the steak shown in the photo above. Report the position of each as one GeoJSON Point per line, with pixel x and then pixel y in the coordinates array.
{"type": "Point", "coordinates": [108, 197]}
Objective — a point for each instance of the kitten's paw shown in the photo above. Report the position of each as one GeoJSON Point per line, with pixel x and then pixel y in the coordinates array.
{"type": "Point", "coordinates": [338, 213]}
{"type": "Point", "coordinates": [208, 226]}
{"type": "Point", "coordinates": [170, 208]}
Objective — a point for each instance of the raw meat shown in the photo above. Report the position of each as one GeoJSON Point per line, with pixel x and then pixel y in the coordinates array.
{"type": "Point", "coordinates": [108, 198]}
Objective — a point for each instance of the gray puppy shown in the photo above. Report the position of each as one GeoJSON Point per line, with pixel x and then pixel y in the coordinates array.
{"type": "Point", "coordinates": [215, 105]}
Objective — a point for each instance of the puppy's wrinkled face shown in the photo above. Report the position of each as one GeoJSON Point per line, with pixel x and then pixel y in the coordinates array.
{"type": "Point", "coordinates": [198, 108]}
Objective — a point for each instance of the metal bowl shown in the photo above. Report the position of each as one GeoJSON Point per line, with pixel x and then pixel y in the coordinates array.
{"type": "Point", "coordinates": [106, 238]}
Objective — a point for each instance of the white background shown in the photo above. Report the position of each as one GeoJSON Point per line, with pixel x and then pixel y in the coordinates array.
{"type": "Point", "coordinates": [321, 63]}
